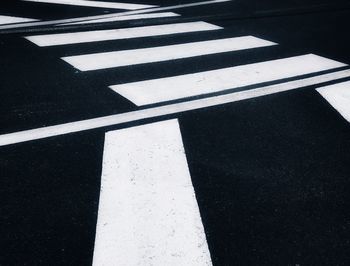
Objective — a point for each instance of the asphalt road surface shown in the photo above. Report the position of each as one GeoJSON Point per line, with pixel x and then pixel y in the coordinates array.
{"type": "Point", "coordinates": [174, 132]}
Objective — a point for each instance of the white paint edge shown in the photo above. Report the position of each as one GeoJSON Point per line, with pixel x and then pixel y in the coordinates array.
{"type": "Point", "coordinates": [105, 121]}
{"type": "Point", "coordinates": [178, 87]}
{"type": "Point", "coordinates": [148, 213]}
{"type": "Point", "coordinates": [338, 96]}
{"type": "Point", "coordinates": [105, 60]}
{"type": "Point", "coordinates": [119, 34]}
{"type": "Point", "coordinates": [11, 20]}
{"type": "Point", "coordinates": [90, 3]}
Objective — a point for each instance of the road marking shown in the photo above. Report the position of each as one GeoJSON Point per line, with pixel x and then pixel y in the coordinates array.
{"type": "Point", "coordinates": [134, 12]}
{"type": "Point", "coordinates": [163, 53]}
{"type": "Point", "coordinates": [177, 87]}
{"type": "Point", "coordinates": [10, 20]}
{"type": "Point", "coordinates": [112, 120]}
{"type": "Point", "coordinates": [90, 3]}
{"type": "Point", "coordinates": [119, 34]}
{"type": "Point", "coordinates": [148, 213]}
{"type": "Point", "coordinates": [338, 95]}
{"type": "Point", "coordinates": [125, 18]}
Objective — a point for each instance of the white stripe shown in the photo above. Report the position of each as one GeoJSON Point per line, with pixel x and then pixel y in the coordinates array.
{"type": "Point", "coordinates": [338, 96]}
{"type": "Point", "coordinates": [177, 87]}
{"type": "Point", "coordinates": [10, 20]}
{"type": "Point", "coordinates": [148, 213]}
{"type": "Point", "coordinates": [163, 53]}
{"type": "Point", "coordinates": [134, 12]}
{"type": "Point", "coordinates": [112, 5]}
{"type": "Point", "coordinates": [105, 121]}
{"type": "Point", "coordinates": [118, 34]}
{"type": "Point", "coordinates": [125, 18]}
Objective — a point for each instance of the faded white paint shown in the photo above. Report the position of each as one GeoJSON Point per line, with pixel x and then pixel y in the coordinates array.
{"type": "Point", "coordinates": [90, 3]}
{"type": "Point", "coordinates": [11, 20]}
{"type": "Point", "coordinates": [105, 121]}
{"type": "Point", "coordinates": [119, 34]}
{"type": "Point", "coordinates": [148, 213]}
{"type": "Point", "coordinates": [338, 95]}
{"type": "Point", "coordinates": [177, 87]}
{"type": "Point", "coordinates": [163, 53]}
{"type": "Point", "coordinates": [125, 18]}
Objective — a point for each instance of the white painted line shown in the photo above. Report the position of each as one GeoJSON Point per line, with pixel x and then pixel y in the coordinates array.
{"type": "Point", "coordinates": [163, 53]}
{"type": "Point", "coordinates": [126, 13]}
{"type": "Point", "coordinates": [125, 18]}
{"type": "Point", "coordinates": [119, 34]}
{"type": "Point", "coordinates": [148, 213]}
{"type": "Point", "coordinates": [105, 121]}
{"type": "Point", "coordinates": [10, 20]}
{"type": "Point", "coordinates": [177, 87]}
{"type": "Point", "coordinates": [338, 95]}
{"type": "Point", "coordinates": [90, 3]}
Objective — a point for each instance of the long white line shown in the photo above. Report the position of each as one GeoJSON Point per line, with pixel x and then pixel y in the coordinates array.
{"type": "Point", "coordinates": [125, 18]}
{"type": "Point", "coordinates": [338, 95]}
{"type": "Point", "coordinates": [126, 13]}
{"type": "Point", "coordinates": [163, 53]}
{"type": "Point", "coordinates": [10, 20]}
{"type": "Point", "coordinates": [90, 3]}
{"type": "Point", "coordinates": [119, 34]}
{"type": "Point", "coordinates": [105, 121]}
{"type": "Point", "coordinates": [177, 87]}
{"type": "Point", "coordinates": [148, 213]}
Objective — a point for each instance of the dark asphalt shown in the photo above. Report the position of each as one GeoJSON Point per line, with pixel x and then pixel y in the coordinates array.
{"type": "Point", "coordinates": [271, 174]}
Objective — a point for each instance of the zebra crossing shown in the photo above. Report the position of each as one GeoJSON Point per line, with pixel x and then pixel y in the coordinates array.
{"type": "Point", "coordinates": [248, 79]}
{"type": "Point", "coordinates": [159, 111]}
{"type": "Point", "coordinates": [95, 18]}
{"type": "Point", "coordinates": [183, 86]}
{"type": "Point", "coordinates": [149, 212]}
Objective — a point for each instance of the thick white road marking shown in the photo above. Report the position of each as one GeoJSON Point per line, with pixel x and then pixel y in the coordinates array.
{"type": "Point", "coordinates": [177, 87]}
{"type": "Point", "coordinates": [105, 121]}
{"type": "Point", "coordinates": [126, 18]}
{"type": "Point", "coordinates": [10, 20]}
{"type": "Point", "coordinates": [90, 3]}
{"type": "Point", "coordinates": [338, 95]}
{"type": "Point", "coordinates": [163, 53]}
{"type": "Point", "coordinates": [148, 213]}
{"type": "Point", "coordinates": [126, 13]}
{"type": "Point", "coordinates": [118, 34]}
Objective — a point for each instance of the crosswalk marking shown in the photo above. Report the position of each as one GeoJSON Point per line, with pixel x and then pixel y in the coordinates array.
{"type": "Point", "coordinates": [11, 20]}
{"type": "Point", "coordinates": [338, 95]}
{"type": "Point", "coordinates": [148, 213]}
{"type": "Point", "coordinates": [105, 121]}
{"type": "Point", "coordinates": [163, 53]}
{"type": "Point", "coordinates": [126, 18]}
{"type": "Point", "coordinates": [118, 34]}
{"type": "Point", "coordinates": [177, 87]}
{"type": "Point", "coordinates": [90, 3]}
{"type": "Point", "coordinates": [125, 13]}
